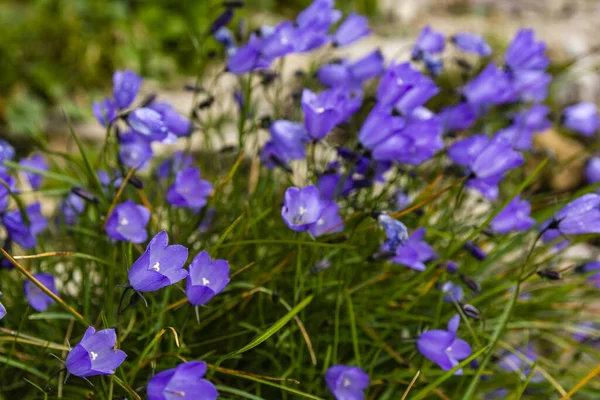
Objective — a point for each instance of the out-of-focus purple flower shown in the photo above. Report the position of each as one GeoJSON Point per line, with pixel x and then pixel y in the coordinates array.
{"type": "Point", "coordinates": [429, 42]}
{"type": "Point", "coordinates": [550, 233]}
{"type": "Point", "coordinates": [184, 381]}
{"type": "Point", "coordinates": [525, 53]}
{"type": "Point", "coordinates": [175, 122]}
{"type": "Point", "coordinates": [525, 125]}
{"type": "Point", "coordinates": [4, 191]}
{"type": "Point", "coordinates": [323, 111]}
{"type": "Point", "coordinates": [289, 138]}
{"type": "Point", "coordinates": [207, 278]}
{"type": "Point", "coordinates": [7, 152]}
{"type": "Point", "coordinates": [105, 111]}
{"type": "Point", "coordinates": [329, 221]}
{"type": "Point", "coordinates": [491, 87]}
{"type": "Point", "coordinates": [38, 300]}
{"type": "Point", "coordinates": [458, 117]}
{"type": "Point", "coordinates": [128, 222]}
{"type": "Point", "coordinates": [178, 162]}
{"type": "Point", "coordinates": [331, 186]}
{"type": "Point", "coordinates": [353, 28]}
{"type": "Point", "coordinates": [135, 152]}
{"type": "Point", "coordinates": [582, 335]}
{"type": "Point", "coordinates": [19, 231]}
{"type": "Point", "coordinates": [189, 190]}
{"type": "Point", "coordinates": [126, 85]}
{"type": "Point", "coordinates": [405, 88]}
{"type": "Point", "coordinates": [2, 309]}
{"type": "Point", "coordinates": [514, 217]}
{"type": "Point", "coordinates": [592, 172]}
{"type": "Point", "coordinates": [248, 58]}
{"type": "Point", "coordinates": [476, 251]}
{"type": "Point", "coordinates": [280, 42]}
{"type": "Point", "coordinates": [71, 207]}
{"type": "Point", "coordinates": [319, 16]}
{"type": "Point", "coordinates": [148, 123]}
{"type": "Point", "coordinates": [513, 363]}
{"type": "Point", "coordinates": [4, 262]}
{"type": "Point", "coordinates": [471, 43]}
{"type": "Point", "coordinates": [414, 252]}
{"type": "Point", "coordinates": [443, 347]}
{"type": "Point", "coordinates": [161, 265]}
{"type": "Point", "coordinates": [590, 267]}
{"type": "Point", "coordinates": [581, 216]}
{"type": "Point", "coordinates": [379, 126]}
{"type": "Point", "coordinates": [207, 221]}
{"type": "Point", "coordinates": [301, 207]}
{"type": "Point", "coordinates": [464, 151]}
{"type": "Point", "coordinates": [582, 118]}
{"type": "Point", "coordinates": [226, 38]}
{"type": "Point", "coordinates": [271, 157]}
{"type": "Point", "coordinates": [367, 67]}
{"type": "Point", "coordinates": [452, 292]}
{"type": "Point", "coordinates": [36, 162]}
{"type": "Point", "coordinates": [530, 85]}
{"type": "Point", "coordinates": [95, 354]}
{"type": "Point", "coordinates": [347, 382]}
{"type": "Point", "coordinates": [402, 200]}
{"type": "Point", "coordinates": [352, 74]}
{"type": "Point", "coordinates": [451, 267]}
{"type": "Point", "coordinates": [395, 231]}
{"type": "Point", "coordinates": [434, 64]}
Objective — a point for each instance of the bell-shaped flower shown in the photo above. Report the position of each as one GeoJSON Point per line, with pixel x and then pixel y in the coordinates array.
{"type": "Point", "coordinates": [135, 152]}
{"type": "Point", "coordinates": [352, 74]}
{"type": "Point", "coordinates": [36, 162]}
{"type": "Point", "coordinates": [324, 111]}
{"type": "Point", "coordinates": [581, 216]}
{"type": "Point", "coordinates": [148, 123]}
{"type": "Point", "coordinates": [95, 354]}
{"type": "Point", "coordinates": [457, 117]}
{"type": "Point", "coordinates": [207, 278]}
{"type": "Point", "coordinates": [525, 125]}
{"type": "Point", "coordinates": [379, 125]}
{"type": "Point", "coordinates": [38, 300]}
{"type": "Point", "coordinates": [525, 53]}
{"type": "Point", "coordinates": [514, 217]}
{"type": "Point", "coordinates": [329, 221]}
{"type": "Point", "coordinates": [301, 208]}
{"type": "Point", "coordinates": [414, 252]}
{"type": "Point", "coordinates": [512, 362]}
{"type": "Point", "coordinates": [592, 173]}
{"type": "Point", "coordinates": [182, 382]}
{"type": "Point", "coordinates": [452, 292]}
{"type": "Point", "coordinates": [405, 88]}
{"type": "Point", "coordinates": [7, 152]}
{"type": "Point", "coordinates": [353, 28]}
{"type": "Point", "coordinates": [581, 118]}
{"type": "Point", "coordinates": [530, 85]}
{"type": "Point", "coordinates": [289, 138]}
{"type": "Point", "coordinates": [280, 42]}
{"type": "Point", "coordinates": [471, 43]}
{"type": "Point", "coordinates": [443, 347]}
{"type": "Point", "coordinates": [161, 265]}
{"type": "Point", "coordinates": [128, 222]}
{"type": "Point", "coordinates": [105, 111]}
{"type": "Point", "coordinates": [491, 87]}
{"type": "Point", "coordinates": [318, 16]}
{"type": "Point", "coordinates": [175, 122]}
{"type": "Point", "coordinates": [395, 231]}
{"type": "Point", "coordinates": [429, 42]}
{"type": "Point", "coordinates": [71, 207]}
{"type": "Point", "coordinates": [25, 235]}
{"type": "Point", "coordinates": [126, 85]}
{"type": "Point", "coordinates": [347, 382]}
{"type": "Point", "coordinates": [189, 190]}
{"type": "Point", "coordinates": [248, 57]}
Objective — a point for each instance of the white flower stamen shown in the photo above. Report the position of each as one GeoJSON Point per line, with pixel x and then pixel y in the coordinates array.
{"type": "Point", "coordinates": [346, 382]}
{"type": "Point", "coordinates": [93, 355]}
{"type": "Point", "coordinates": [205, 282]}
{"type": "Point", "coordinates": [124, 221]}
{"type": "Point", "coordinates": [155, 267]}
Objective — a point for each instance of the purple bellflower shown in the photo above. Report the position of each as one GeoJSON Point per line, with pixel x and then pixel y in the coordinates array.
{"type": "Point", "coordinates": [346, 382]}
{"type": "Point", "coordinates": [513, 363]}
{"type": "Point", "coordinates": [525, 125]}
{"type": "Point", "coordinates": [226, 38]}
{"type": "Point", "coordinates": [514, 217]}
{"type": "Point", "coordinates": [280, 42]}
{"type": "Point", "coordinates": [21, 233]}
{"type": "Point", "coordinates": [319, 16]}
{"type": "Point", "coordinates": [352, 74]}
{"type": "Point", "coordinates": [126, 85]}
{"type": "Point", "coordinates": [524, 53]}
{"type": "Point", "coordinates": [477, 252]}
{"type": "Point", "coordinates": [592, 173]}
{"type": "Point", "coordinates": [490, 87]}
{"type": "Point", "coordinates": [452, 292]}
{"type": "Point", "coordinates": [582, 118]}
{"type": "Point", "coordinates": [189, 190]}
{"type": "Point", "coordinates": [289, 139]}
{"type": "Point", "coordinates": [329, 221]}
{"type": "Point", "coordinates": [37, 162]}
{"type": "Point", "coordinates": [248, 57]}
{"type": "Point", "coordinates": [414, 252]}
{"type": "Point", "coordinates": [38, 300]}
{"type": "Point", "coordinates": [7, 152]}
{"type": "Point", "coordinates": [323, 111]}
{"type": "Point", "coordinates": [175, 122]}
{"type": "Point", "coordinates": [581, 216]}
{"type": "Point", "coordinates": [471, 43]}
{"type": "Point", "coordinates": [207, 278]}
{"type": "Point", "coordinates": [128, 222]}
{"type": "Point", "coordinates": [429, 43]}
{"type": "Point", "coordinates": [301, 207]}
{"type": "Point", "coordinates": [105, 111]}
{"type": "Point", "coordinates": [161, 265]}
{"type": "Point", "coordinates": [71, 207]}
{"type": "Point", "coordinates": [95, 354]}
{"type": "Point", "coordinates": [2, 309]}
{"type": "Point", "coordinates": [593, 266]}
{"type": "Point", "coordinates": [148, 123]}
{"type": "Point", "coordinates": [353, 28]}
{"type": "Point", "coordinates": [530, 85]}
{"type": "Point", "coordinates": [135, 152]}
{"type": "Point", "coordinates": [4, 191]}
{"type": "Point", "coordinates": [379, 126]}
{"type": "Point", "coordinates": [182, 382]}
{"type": "Point", "coordinates": [405, 88]}
{"type": "Point", "coordinates": [179, 161]}
{"type": "Point", "coordinates": [443, 347]}
{"type": "Point", "coordinates": [458, 117]}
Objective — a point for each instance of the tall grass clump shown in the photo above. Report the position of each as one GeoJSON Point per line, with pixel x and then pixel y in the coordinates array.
{"type": "Point", "coordinates": [370, 228]}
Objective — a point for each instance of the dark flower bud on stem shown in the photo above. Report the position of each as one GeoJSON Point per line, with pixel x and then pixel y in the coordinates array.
{"type": "Point", "coordinates": [84, 194]}
{"type": "Point", "coordinates": [471, 283]}
{"type": "Point", "coordinates": [222, 20]}
{"type": "Point", "coordinates": [471, 311]}
{"type": "Point", "coordinates": [550, 274]}
{"type": "Point", "coordinates": [136, 182]}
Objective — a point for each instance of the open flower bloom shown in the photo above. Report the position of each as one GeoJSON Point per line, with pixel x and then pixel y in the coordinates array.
{"type": "Point", "coordinates": [524, 53]}
{"type": "Point", "coordinates": [514, 217]}
{"type": "Point", "coordinates": [2, 309]}
{"type": "Point", "coordinates": [126, 85]}
{"type": "Point", "coordinates": [182, 382]}
{"type": "Point", "coordinates": [189, 190]}
{"type": "Point", "coordinates": [95, 354]}
{"type": "Point", "coordinates": [128, 222]}
{"type": "Point", "coordinates": [301, 207]}
{"type": "Point", "coordinates": [148, 123]}
{"type": "Point", "coordinates": [19, 232]}
{"type": "Point", "coordinates": [175, 122]}
{"type": "Point", "coordinates": [347, 382]}
{"type": "Point", "coordinates": [161, 265]}
{"type": "Point", "coordinates": [324, 111]}
{"type": "Point", "coordinates": [38, 300]}
{"type": "Point", "coordinates": [580, 216]}
{"type": "Point", "coordinates": [471, 43]}
{"type": "Point", "coordinates": [38, 162]}
{"type": "Point", "coordinates": [429, 43]}
{"type": "Point", "coordinates": [405, 87]}
{"type": "Point", "coordinates": [329, 221]}
{"type": "Point", "coordinates": [457, 117]}
{"type": "Point", "coordinates": [582, 118]}
{"type": "Point", "coordinates": [207, 278]}
{"type": "Point", "coordinates": [525, 125]}
{"type": "Point", "coordinates": [414, 252]}
{"type": "Point", "coordinates": [353, 28]}
{"type": "Point", "coordinates": [443, 347]}
{"type": "Point", "coordinates": [289, 139]}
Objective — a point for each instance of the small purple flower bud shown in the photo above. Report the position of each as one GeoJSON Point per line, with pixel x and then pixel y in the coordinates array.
{"type": "Point", "coordinates": [452, 292]}
{"type": "Point", "coordinates": [184, 381]}
{"type": "Point", "coordinates": [471, 283]}
{"type": "Point", "coordinates": [550, 274]}
{"type": "Point", "coordinates": [105, 111]}
{"type": "Point", "coordinates": [301, 208]}
{"type": "Point", "coordinates": [189, 190]}
{"type": "Point", "coordinates": [223, 19]}
{"type": "Point", "coordinates": [95, 354]}
{"type": "Point", "coordinates": [179, 161]}
{"type": "Point", "coordinates": [429, 42]}
{"type": "Point", "coordinates": [592, 171]}
{"type": "Point", "coordinates": [471, 312]}
{"type": "Point", "coordinates": [451, 267]}
{"type": "Point", "coordinates": [38, 300]}
{"type": "Point", "coordinates": [443, 347]}
{"type": "Point", "coordinates": [126, 85]}
{"type": "Point", "coordinates": [149, 124]}
{"type": "Point", "coordinates": [347, 382]}
{"type": "Point", "coordinates": [472, 43]}
{"type": "Point", "coordinates": [524, 53]}
{"type": "Point", "coordinates": [161, 265]}
{"type": "Point", "coordinates": [71, 207]}
{"type": "Point", "coordinates": [36, 162]}
{"type": "Point", "coordinates": [582, 118]}
{"type": "Point", "coordinates": [19, 231]}
{"type": "Point", "coordinates": [207, 278]}
{"type": "Point", "coordinates": [84, 194]}
{"type": "Point", "coordinates": [353, 28]}
{"type": "Point", "coordinates": [475, 251]}
{"type": "Point", "coordinates": [128, 222]}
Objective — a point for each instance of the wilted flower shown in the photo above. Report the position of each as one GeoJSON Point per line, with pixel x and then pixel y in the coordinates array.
{"type": "Point", "coordinates": [148, 123]}
{"type": "Point", "coordinates": [353, 28]}
{"type": "Point", "coordinates": [414, 252]}
{"type": "Point", "coordinates": [189, 190]}
{"type": "Point", "coordinates": [443, 347]}
{"type": "Point", "coordinates": [21, 233]}
{"type": "Point", "coordinates": [592, 172]}
{"type": "Point", "coordinates": [347, 382]}
{"type": "Point", "coordinates": [514, 217]}
{"type": "Point", "coordinates": [182, 382]}
{"type": "Point", "coordinates": [471, 43]}
{"type": "Point", "coordinates": [582, 118]}
{"type": "Point", "coordinates": [71, 207]}
{"type": "Point", "coordinates": [329, 221]}
{"type": "Point", "coordinates": [323, 111]}
{"type": "Point", "coordinates": [161, 265]}
{"type": "Point", "coordinates": [175, 122]}
{"type": "Point", "coordinates": [301, 208]}
{"type": "Point", "coordinates": [2, 309]}
{"type": "Point", "coordinates": [429, 42]}
{"type": "Point", "coordinates": [105, 111]}
{"type": "Point", "coordinates": [207, 278]}
{"type": "Point", "coordinates": [95, 354]}
{"type": "Point", "coordinates": [452, 292]}
{"type": "Point", "coordinates": [36, 162]}
{"type": "Point", "coordinates": [126, 85]}
{"type": "Point", "coordinates": [128, 222]}
{"type": "Point", "coordinates": [524, 53]}
{"type": "Point", "coordinates": [38, 300]}
{"type": "Point", "coordinates": [405, 88]}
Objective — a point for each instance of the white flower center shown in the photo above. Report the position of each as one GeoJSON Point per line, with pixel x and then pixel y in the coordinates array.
{"type": "Point", "coordinates": [320, 110]}
{"type": "Point", "coordinates": [155, 267]}
{"type": "Point", "coordinates": [321, 221]}
{"type": "Point", "coordinates": [449, 349]}
{"type": "Point", "coordinates": [124, 221]}
{"type": "Point", "coordinates": [346, 382]}
{"type": "Point", "coordinates": [302, 210]}
{"type": "Point", "coordinates": [93, 355]}
{"type": "Point", "coordinates": [205, 282]}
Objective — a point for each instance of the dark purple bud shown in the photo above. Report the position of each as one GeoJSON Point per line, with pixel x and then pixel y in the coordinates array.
{"type": "Point", "coordinates": [84, 194]}
{"type": "Point", "coordinates": [149, 99]}
{"type": "Point", "coordinates": [464, 64]}
{"type": "Point", "coordinates": [136, 182]}
{"type": "Point", "coordinates": [475, 251]}
{"type": "Point", "coordinates": [190, 87]}
{"type": "Point", "coordinates": [206, 103]}
{"type": "Point", "coordinates": [451, 267]}
{"type": "Point", "coordinates": [471, 283]}
{"type": "Point", "coordinates": [471, 311]}
{"type": "Point", "coordinates": [550, 274]}
{"type": "Point", "coordinates": [222, 20]}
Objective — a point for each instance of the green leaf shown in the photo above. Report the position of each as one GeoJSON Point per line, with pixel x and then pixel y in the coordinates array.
{"type": "Point", "coordinates": [17, 364]}
{"type": "Point", "coordinates": [51, 316]}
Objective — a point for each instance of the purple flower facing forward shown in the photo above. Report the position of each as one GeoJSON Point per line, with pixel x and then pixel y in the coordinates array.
{"type": "Point", "coordinates": [452, 292]}
{"type": "Point", "coordinates": [395, 231]}
{"type": "Point", "coordinates": [248, 58]}
{"type": "Point", "coordinates": [351, 74]}
{"type": "Point", "coordinates": [182, 382]}
{"type": "Point", "coordinates": [429, 42]}
{"type": "Point", "coordinates": [18, 230]}
{"type": "Point", "coordinates": [175, 122]}
{"type": "Point", "coordinates": [4, 191]}
{"type": "Point", "coordinates": [148, 123]}
{"type": "Point", "coordinates": [7, 152]}
{"type": "Point", "coordinates": [161, 265]}
{"type": "Point", "coordinates": [301, 208]}
{"type": "Point", "coordinates": [128, 222]}
{"type": "Point", "coordinates": [207, 278]}
{"type": "Point", "coordinates": [530, 85]}
{"type": "Point", "coordinates": [346, 382]}
{"type": "Point", "coordinates": [592, 267]}
{"type": "Point", "coordinates": [289, 139]}
{"type": "Point", "coordinates": [592, 173]}
{"type": "Point", "coordinates": [126, 85]}
{"type": "Point", "coordinates": [414, 252]}
{"type": "Point", "coordinates": [582, 118]}
{"type": "Point", "coordinates": [105, 111]}
{"type": "Point", "coordinates": [323, 111]}
{"type": "Point", "coordinates": [405, 88]}
{"type": "Point", "coordinates": [71, 207]}
{"type": "Point", "coordinates": [2, 309]}
{"type": "Point", "coordinates": [38, 300]}
{"type": "Point", "coordinates": [135, 152]}
{"type": "Point", "coordinates": [189, 190]}
{"type": "Point", "coordinates": [491, 87]}
{"type": "Point", "coordinates": [514, 217]}
{"type": "Point", "coordinates": [581, 216]}
{"type": "Point", "coordinates": [37, 162]}
{"type": "Point", "coordinates": [443, 347]}
{"type": "Point", "coordinates": [524, 53]}
{"type": "Point", "coordinates": [525, 125]}
{"type": "Point", "coordinates": [471, 43]}
{"type": "Point", "coordinates": [353, 28]}
{"type": "Point", "coordinates": [95, 354]}
{"type": "Point", "coordinates": [457, 117]}
{"type": "Point", "coordinates": [329, 221]}
{"type": "Point", "coordinates": [179, 161]}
